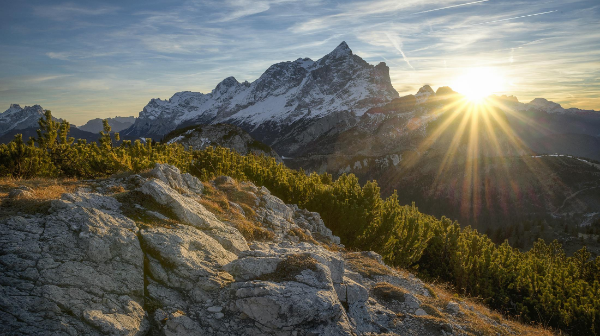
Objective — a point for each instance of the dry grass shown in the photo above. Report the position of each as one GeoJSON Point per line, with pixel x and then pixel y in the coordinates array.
{"type": "Point", "coordinates": [302, 236]}
{"type": "Point", "coordinates": [386, 292]}
{"type": "Point", "coordinates": [293, 265]}
{"type": "Point", "coordinates": [43, 191]}
{"type": "Point", "coordinates": [116, 189]}
{"type": "Point", "coordinates": [366, 266]}
{"type": "Point", "coordinates": [217, 202]}
{"type": "Point", "coordinates": [236, 193]}
{"type": "Point", "coordinates": [477, 319]}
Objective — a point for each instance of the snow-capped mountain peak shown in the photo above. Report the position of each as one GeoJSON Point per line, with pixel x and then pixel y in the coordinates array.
{"type": "Point", "coordinates": [546, 105]}
{"type": "Point", "coordinates": [225, 85]}
{"type": "Point", "coordinates": [333, 91]}
{"type": "Point", "coordinates": [16, 117]}
{"type": "Point", "coordinates": [342, 50]}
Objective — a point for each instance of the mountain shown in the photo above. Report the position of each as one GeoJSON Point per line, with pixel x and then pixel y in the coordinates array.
{"type": "Point", "coordinates": [472, 165]}
{"type": "Point", "coordinates": [32, 132]}
{"type": "Point", "coordinates": [17, 118]}
{"type": "Point", "coordinates": [287, 107]}
{"type": "Point", "coordinates": [548, 128]}
{"type": "Point", "coordinates": [224, 135]}
{"type": "Point", "coordinates": [117, 124]}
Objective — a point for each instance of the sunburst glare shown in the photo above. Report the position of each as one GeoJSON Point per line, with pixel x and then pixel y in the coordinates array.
{"type": "Point", "coordinates": [478, 83]}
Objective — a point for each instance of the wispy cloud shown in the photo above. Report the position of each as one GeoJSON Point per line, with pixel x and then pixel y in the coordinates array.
{"type": "Point", "coordinates": [66, 11]}
{"type": "Point", "coordinates": [356, 12]}
{"type": "Point", "coordinates": [242, 8]}
{"type": "Point", "coordinates": [103, 59]}
{"type": "Point", "coordinates": [39, 79]}
{"type": "Point", "coordinates": [64, 56]}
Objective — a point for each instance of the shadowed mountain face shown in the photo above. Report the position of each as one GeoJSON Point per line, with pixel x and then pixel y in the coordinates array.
{"type": "Point", "coordinates": [547, 128]}
{"type": "Point", "coordinates": [288, 107]}
{"type": "Point", "coordinates": [479, 164]}
{"type": "Point", "coordinates": [223, 135]}
{"type": "Point", "coordinates": [117, 124]}
{"type": "Point", "coordinates": [32, 132]}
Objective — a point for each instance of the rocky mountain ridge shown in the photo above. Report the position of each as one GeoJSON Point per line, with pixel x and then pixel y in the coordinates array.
{"type": "Point", "coordinates": [143, 255]}
{"type": "Point", "coordinates": [117, 124]}
{"type": "Point", "coordinates": [16, 118]}
{"type": "Point", "coordinates": [223, 135]}
{"type": "Point", "coordinates": [288, 106]}
{"type": "Point", "coordinates": [431, 145]}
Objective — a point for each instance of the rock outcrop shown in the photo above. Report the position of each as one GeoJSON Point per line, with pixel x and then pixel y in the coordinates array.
{"type": "Point", "coordinates": [223, 135]}
{"type": "Point", "coordinates": [94, 265]}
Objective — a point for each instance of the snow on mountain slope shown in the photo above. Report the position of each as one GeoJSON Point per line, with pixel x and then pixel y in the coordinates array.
{"type": "Point", "coordinates": [17, 118]}
{"type": "Point", "coordinates": [303, 92]}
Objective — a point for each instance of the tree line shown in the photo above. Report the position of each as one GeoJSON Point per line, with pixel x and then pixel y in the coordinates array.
{"type": "Point", "coordinates": [542, 285]}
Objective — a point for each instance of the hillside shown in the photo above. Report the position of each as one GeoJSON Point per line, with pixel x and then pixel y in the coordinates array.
{"type": "Point", "coordinates": [32, 132]}
{"type": "Point", "coordinates": [480, 165]}
{"type": "Point", "coordinates": [163, 253]}
{"type": "Point", "coordinates": [117, 124]}
{"type": "Point", "coordinates": [438, 248]}
{"type": "Point", "coordinates": [219, 135]}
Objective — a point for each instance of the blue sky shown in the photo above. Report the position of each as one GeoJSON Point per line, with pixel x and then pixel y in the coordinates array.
{"type": "Point", "coordinates": [89, 59]}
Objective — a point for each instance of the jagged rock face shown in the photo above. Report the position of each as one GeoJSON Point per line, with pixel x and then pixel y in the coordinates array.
{"type": "Point", "coordinates": [424, 92]}
{"type": "Point", "coordinates": [87, 269]}
{"type": "Point", "coordinates": [224, 135]}
{"type": "Point", "coordinates": [117, 124]}
{"type": "Point", "coordinates": [303, 93]}
{"type": "Point", "coordinates": [77, 271]}
{"type": "Point", "coordinates": [18, 118]}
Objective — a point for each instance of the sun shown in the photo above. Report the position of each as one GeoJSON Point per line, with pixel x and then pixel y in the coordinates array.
{"type": "Point", "coordinates": [478, 83]}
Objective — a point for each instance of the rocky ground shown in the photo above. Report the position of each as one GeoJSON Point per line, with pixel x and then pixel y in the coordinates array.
{"type": "Point", "coordinates": [163, 253]}
{"type": "Point", "coordinates": [200, 137]}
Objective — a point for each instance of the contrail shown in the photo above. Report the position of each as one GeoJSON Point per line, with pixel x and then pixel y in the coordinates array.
{"type": "Point", "coordinates": [437, 9]}
{"type": "Point", "coordinates": [494, 21]}
{"type": "Point", "coordinates": [513, 18]}
{"type": "Point", "coordinates": [396, 45]}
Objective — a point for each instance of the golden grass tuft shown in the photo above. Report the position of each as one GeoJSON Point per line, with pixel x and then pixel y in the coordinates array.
{"type": "Point", "coordinates": [302, 236]}
{"type": "Point", "coordinates": [479, 320]}
{"type": "Point", "coordinates": [384, 291]}
{"type": "Point", "coordinates": [116, 189]}
{"type": "Point", "coordinates": [366, 266]}
{"type": "Point", "coordinates": [217, 202]}
{"type": "Point", "coordinates": [293, 265]}
{"type": "Point", "coordinates": [43, 191]}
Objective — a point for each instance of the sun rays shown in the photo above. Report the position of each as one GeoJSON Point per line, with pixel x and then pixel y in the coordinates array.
{"type": "Point", "coordinates": [473, 138]}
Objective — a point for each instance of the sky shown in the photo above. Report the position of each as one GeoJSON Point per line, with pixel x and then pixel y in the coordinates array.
{"type": "Point", "coordinates": [90, 59]}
